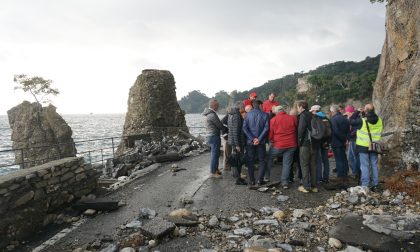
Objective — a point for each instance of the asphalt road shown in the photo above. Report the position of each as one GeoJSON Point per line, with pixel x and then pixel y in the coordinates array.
{"type": "Point", "coordinates": [161, 191]}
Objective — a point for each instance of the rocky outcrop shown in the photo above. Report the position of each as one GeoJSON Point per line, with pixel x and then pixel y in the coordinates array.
{"type": "Point", "coordinates": [303, 84]}
{"type": "Point", "coordinates": [40, 134]}
{"type": "Point", "coordinates": [153, 109]}
{"type": "Point", "coordinates": [397, 88]}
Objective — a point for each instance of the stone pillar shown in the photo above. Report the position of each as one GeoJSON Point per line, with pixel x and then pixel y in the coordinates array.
{"type": "Point", "coordinates": [153, 109]}
{"type": "Point", "coordinates": [40, 134]}
{"type": "Point", "coordinates": [397, 87]}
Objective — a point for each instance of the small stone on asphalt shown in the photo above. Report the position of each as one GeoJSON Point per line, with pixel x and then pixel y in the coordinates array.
{"type": "Point", "coordinates": [147, 213]}
{"type": "Point", "coordinates": [282, 198]}
{"type": "Point", "coordinates": [334, 243]}
{"type": "Point", "coordinates": [90, 212]}
{"type": "Point", "coordinates": [213, 221]}
{"type": "Point", "coordinates": [243, 231]}
{"type": "Point", "coordinates": [134, 224]}
{"type": "Point", "coordinates": [158, 227]}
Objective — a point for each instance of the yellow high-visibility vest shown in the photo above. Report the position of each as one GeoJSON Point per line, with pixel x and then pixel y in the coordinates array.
{"type": "Point", "coordinates": [375, 131]}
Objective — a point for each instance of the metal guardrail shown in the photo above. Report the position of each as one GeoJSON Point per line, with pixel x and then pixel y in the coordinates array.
{"type": "Point", "coordinates": [22, 151]}
{"type": "Point", "coordinates": [104, 151]}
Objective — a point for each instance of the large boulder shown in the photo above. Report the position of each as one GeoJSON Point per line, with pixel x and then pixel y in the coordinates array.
{"type": "Point", "coordinates": [40, 134]}
{"type": "Point", "coordinates": [153, 110]}
{"type": "Point", "coordinates": [396, 93]}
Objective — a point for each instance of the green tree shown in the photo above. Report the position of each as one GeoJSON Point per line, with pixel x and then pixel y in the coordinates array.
{"type": "Point", "coordinates": [290, 96]}
{"type": "Point", "coordinates": [194, 102]}
{"type": "Point", "coordinates": [223, 98]}
{"type": "Point", "coordinates": [38, 87]}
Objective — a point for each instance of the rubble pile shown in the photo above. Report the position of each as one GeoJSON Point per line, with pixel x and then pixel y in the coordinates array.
{"type": "Point", "coordinates": [295, 229]}
{"type": "Point", "coordinates": [273, 228]}
{"type": "Point", "coordinates": [145, 153]}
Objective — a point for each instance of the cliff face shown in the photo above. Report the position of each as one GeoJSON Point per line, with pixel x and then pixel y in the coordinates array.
{"type": "Point", "coordinates": [396, 91]}
{"type": "Point", "coordinates": [153, 107]}
{"type": "Point", "coordinates": [34, 126]}
{"type": "Point", "coordinates": [303, 84]}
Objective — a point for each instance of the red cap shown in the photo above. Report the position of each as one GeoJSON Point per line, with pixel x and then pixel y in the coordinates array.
{"type": "Point", "coordinates": [253, 94]}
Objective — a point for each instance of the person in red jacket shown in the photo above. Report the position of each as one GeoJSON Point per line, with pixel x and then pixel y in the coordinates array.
{"type": "Point", "coordinates": [282, 136]}
{"type": "Point", "coordinates": [252, 97]}
{"type": "Point", "coordinates": [270, 103]}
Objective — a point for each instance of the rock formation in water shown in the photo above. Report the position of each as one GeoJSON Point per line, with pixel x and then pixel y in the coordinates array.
{"type": "Point", "coordinates": [153, 109]}
{"type": "Point", "coordinates": [397, 88]}
{"type": "Point", "coordinates": [34, 126]}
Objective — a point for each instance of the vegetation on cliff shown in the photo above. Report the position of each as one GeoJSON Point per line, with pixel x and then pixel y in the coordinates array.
{"type": "Point", "coordinates": [332, 83]}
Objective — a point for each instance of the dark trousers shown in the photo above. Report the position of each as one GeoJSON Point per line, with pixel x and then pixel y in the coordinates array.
{"type": "Point", "coordinates": [341, 161]}
{"type": "Point", "coordinates": [252, 152]}
{"type": "Point", "coordinates": [237, 169]}
{"type": "Point", "coordinates": [308, 164]}
{"type": "Point", "coordinates": [236, 172]}
{"type": "Point", "coordinates": [322, 165]}
{"type": "Point", "coordinates": [227, 150]}
{"type": "Point", "coordinates": [296, 160]}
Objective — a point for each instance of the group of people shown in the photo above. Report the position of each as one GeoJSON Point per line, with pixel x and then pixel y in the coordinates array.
{"type": "Point", "coordinates": [301, 136]}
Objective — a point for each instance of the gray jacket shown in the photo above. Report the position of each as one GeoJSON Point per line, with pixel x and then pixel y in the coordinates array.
{"type": "Point", "coordinates": [213, 123]}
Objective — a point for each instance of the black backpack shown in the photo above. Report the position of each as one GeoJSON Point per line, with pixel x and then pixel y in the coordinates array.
{"type": "Point", "coordinates": [318, 128]}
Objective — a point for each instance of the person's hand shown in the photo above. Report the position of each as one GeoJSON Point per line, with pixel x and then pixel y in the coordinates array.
{"type": "Point", "coordinates": [238, 149]}
{"type": "Point", "coordinates": [256, 141]}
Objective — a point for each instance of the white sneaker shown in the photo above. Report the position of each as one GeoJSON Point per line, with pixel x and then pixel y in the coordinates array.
{"type": "Point", "coordinates": [302, 189]}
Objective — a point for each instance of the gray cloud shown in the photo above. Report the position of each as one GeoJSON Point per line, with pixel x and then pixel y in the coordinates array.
{"type": "Point", "coordinates": [234, 44]}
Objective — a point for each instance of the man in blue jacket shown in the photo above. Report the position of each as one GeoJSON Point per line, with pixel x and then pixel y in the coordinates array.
{"type": "Point", "coordinates": [255, 127]}
{"type": "Point", "coordinates": [340, 129]}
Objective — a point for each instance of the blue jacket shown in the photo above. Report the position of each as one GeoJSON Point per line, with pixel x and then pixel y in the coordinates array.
{"type": "Point", "coordinates": [255, 126]}
{"type": "Point", "coordinates": [340, 130]}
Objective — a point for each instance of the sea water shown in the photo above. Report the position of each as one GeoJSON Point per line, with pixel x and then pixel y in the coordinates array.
{"type": "Point", "coordinates": [101, 127]}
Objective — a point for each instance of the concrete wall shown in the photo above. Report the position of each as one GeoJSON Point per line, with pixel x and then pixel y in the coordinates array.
{"type": "Point", "coordinates": [29, 197]}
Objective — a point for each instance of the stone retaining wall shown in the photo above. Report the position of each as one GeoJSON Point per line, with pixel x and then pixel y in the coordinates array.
{"type": "Point", "coordinates": [30, 197]}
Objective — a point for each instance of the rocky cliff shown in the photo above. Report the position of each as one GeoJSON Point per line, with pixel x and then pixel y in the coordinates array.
{"type": "Point", "coordinates": [153, 107]}
{"type": "Point", "coordinates": [40, 134]}
{"type": "Point", "coordinates": [303, 84]}
{"type": "Point", "coordinates": [396, 91]}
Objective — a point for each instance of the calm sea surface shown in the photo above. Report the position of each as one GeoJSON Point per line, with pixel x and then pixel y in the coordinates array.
{"type": "Point", "coordinates": [86, 127]}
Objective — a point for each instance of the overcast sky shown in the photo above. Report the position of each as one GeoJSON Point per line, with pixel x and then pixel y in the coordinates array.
{"type": "Point", "coordinates": [94, 50]}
